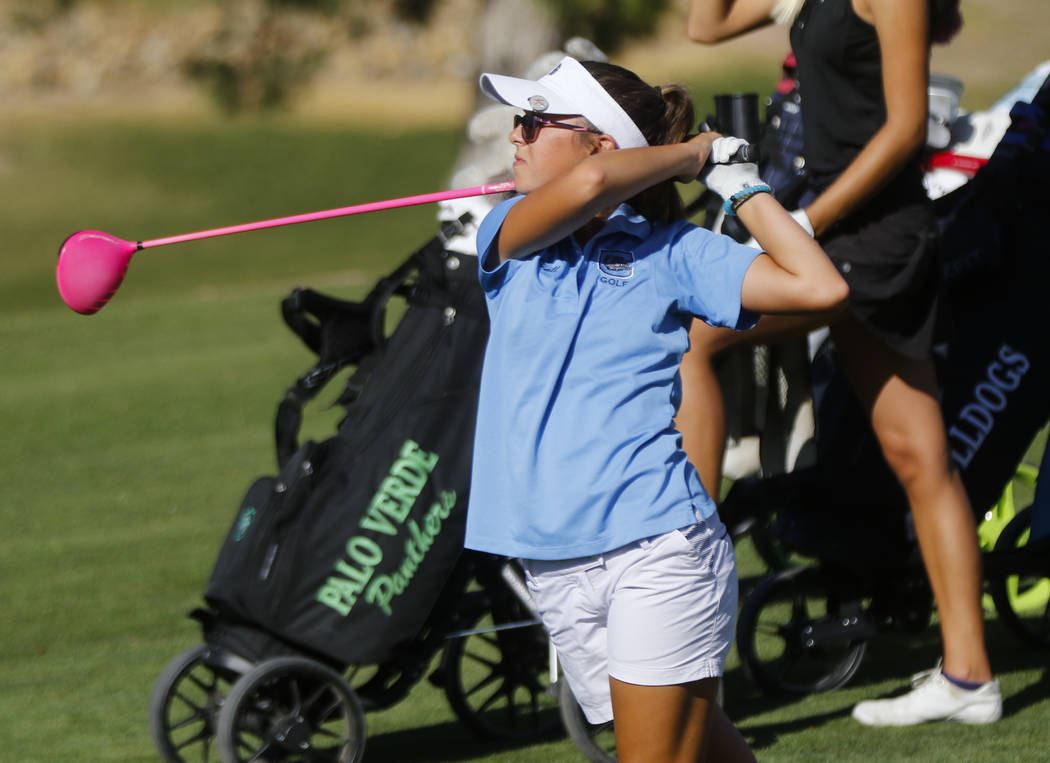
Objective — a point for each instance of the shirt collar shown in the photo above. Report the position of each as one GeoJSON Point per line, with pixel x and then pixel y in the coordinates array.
{"type": "Point", "coordinates": [625, 221]}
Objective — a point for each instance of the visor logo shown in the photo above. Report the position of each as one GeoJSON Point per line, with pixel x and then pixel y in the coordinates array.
{"type": "Point", "coordinates": [616, 263]}
{"type": "Point", "coordinates": [538, 103]}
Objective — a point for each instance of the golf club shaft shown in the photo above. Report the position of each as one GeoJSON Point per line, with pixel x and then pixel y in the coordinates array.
{"type": "Point", "coordinates": [375, 206]}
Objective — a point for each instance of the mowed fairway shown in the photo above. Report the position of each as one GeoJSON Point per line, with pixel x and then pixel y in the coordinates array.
{"type": "Point", "coordinates": [129, 437]}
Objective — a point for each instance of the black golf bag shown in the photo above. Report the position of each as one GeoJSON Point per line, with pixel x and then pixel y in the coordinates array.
{"type": "Point", "coordinates": [996, 377]}
{"type": "Point", "coordinates": [344, 552]}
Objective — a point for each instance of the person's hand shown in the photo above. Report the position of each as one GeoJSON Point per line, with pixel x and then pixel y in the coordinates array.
{"type": "Point", "coordinates": [724, 178]}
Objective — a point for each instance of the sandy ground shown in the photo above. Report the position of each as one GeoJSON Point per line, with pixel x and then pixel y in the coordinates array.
{"type": "Point", "coordinates": [1001, 41]}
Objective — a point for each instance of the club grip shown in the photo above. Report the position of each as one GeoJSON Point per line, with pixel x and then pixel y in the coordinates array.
{"type": "Point", "coordinates": [747, 153]}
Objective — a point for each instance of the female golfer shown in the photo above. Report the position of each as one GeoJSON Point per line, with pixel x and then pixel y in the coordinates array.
{"type": "Point", "coordinates": [592, 281]}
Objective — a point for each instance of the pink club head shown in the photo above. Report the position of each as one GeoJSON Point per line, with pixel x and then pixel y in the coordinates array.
{"type": "Point", "coordinates": [91, 265]}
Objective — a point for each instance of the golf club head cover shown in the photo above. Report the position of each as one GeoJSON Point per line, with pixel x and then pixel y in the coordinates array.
{"type": "Point", "coordinates": [583, 49]}
{"type": "Point", "coordinates": [491, 123]}
{"type": "Point", "coordinates": [734, 181]}
{"type": "Point", "coordinates": [579, 48]}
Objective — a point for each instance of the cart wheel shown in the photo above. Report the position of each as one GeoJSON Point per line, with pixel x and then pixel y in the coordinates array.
{"type": "Point", "coordinates": [597, 741]}
{"type": "Point", "coordinates": [497, 678]}
{"type": "Point", "coordinates": [1022, 601]}
{"type": "Point", "coordinates": [291, 709]}
{"type": "Point", "coordinates": [775, 635]}
{"type": "Point", "coordinates": [185, 705]}
{"type": "Point", "coordinates": [768, 546]}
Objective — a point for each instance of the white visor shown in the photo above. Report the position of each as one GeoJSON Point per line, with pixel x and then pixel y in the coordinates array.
{"type": "Point", "coordinates": [568, 88]}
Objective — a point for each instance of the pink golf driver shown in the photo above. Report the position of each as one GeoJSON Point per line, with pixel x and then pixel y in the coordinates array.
{"type": "Point", "coordinates": [92, 264]}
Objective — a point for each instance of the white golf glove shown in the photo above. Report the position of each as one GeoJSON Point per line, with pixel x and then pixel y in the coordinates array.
{"type": "Point", "coordinates": [731, 180]}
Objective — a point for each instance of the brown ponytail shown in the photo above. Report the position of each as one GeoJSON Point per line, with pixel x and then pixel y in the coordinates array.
{"type": "Point", "coordinates": [663, 114]}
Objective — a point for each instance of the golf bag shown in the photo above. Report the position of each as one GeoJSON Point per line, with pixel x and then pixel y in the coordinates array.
{"type": "Point", "coordinates": [997, 371]}
{"type": "Point", "coordinates": [343, 553]}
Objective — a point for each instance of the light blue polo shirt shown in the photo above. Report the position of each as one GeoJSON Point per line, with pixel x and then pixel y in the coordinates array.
{"type": "Point", "coordinates": [576, 452]}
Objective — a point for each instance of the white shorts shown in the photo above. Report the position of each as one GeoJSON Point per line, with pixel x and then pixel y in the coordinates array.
{"type": "Point", "coordinates": [656, 612]}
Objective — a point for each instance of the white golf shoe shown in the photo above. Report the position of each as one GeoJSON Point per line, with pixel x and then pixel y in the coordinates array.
{"type": "Point", "coordinates": [934, 698]}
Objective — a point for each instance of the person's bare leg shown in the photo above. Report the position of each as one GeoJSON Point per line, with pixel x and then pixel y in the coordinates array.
{"type": "Point", "coordinates": [901, 397]}
{"type": "Point", "coordinates": [724, 740]}
{"type": "Point", "coordinates": [701, 415]}
{"type": "Point", "coordinates": [674, 724]}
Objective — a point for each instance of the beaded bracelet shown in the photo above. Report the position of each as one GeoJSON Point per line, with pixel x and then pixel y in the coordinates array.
{"type": "Point", "coordinates": [733, 202]}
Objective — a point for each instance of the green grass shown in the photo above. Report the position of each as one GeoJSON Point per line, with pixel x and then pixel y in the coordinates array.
{"type": "Point", "coordinates": [131, 436]}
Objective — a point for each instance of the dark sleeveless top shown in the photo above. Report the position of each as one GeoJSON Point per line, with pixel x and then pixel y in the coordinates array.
{"type": "Point", "coordinates": [840, 81]}
{"type": "Point", "coordinates": [886, 249]}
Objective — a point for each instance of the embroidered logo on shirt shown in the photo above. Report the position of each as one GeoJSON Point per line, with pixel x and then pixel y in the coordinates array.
{"type": "Point", "coordinates": [550, 264]}
{"type": "Point", "coordinates": [616, 263]}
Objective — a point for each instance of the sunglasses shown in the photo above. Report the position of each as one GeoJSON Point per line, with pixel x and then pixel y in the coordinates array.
{"type": "Point", "coordinates": [531, 123]}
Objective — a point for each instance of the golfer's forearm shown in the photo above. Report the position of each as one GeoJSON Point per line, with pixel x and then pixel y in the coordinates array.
{"type": "Point", "coordinates": [881, 159]}
{"type": "Point", "coordinates": [807, 269]}
{"type": "Point", "coordinates": [564, 205]}
{"type": "Point", "coordinates": [614, 176]}
{"type": "Point", "coordinates": [712, 21]}
{"type": "Point", "coordinates": [780, 236]}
